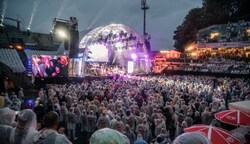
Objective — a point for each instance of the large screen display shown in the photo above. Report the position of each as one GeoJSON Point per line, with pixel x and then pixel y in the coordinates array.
{"type": "Point", "coordinates": [49, 66]}
{"type": "Point", "coordinates": [97, 53]}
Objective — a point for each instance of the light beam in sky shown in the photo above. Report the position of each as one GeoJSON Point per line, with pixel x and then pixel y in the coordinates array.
{"type": "Point", "coordinates": [3, 10]}
{"type": "Point", "coordinates": [35, 5]}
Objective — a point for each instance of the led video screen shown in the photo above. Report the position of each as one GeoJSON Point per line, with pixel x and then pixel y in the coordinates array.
{"type": "Point", "coordinates": [49, 66]}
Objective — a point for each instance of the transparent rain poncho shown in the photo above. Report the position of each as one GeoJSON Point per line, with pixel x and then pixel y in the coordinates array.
{"type": "Point", "coordinates": [7, 116]}
{"type": "Point", "coordinates": [108, 136]}
{"type": "Point", "coordinates": [191, 138]}
{"type": "Point", "coordinates": [25, 132]}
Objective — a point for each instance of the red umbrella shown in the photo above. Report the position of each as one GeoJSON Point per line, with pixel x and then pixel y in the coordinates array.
{"type": "Point", "coordinates": [233, 117]}
{"type": "Point", "coordinates": [214, 134]}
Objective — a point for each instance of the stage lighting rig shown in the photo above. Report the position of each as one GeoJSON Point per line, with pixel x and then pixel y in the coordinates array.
{"type": "Point", "coordinates": [68, 31]}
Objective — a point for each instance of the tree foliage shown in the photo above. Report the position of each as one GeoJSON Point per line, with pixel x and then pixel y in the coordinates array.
{"type": "Point", "coordinates": [212, 12]}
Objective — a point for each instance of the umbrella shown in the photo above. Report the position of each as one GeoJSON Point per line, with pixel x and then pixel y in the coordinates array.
{"type": "Point", "coordinates": [214, 134]}
{"type": "Point", "coordinates": [233, 117]}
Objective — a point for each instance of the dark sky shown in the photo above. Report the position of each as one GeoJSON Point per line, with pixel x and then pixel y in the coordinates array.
{"type": "Point", "coordinates": [162, 18]}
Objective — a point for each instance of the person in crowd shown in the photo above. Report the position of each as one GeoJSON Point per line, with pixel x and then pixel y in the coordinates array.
{"type": "Point", "coordinates": [71, 124]}
{"type": "Point", "coordinates": [91, 123]}
{"type": "Point", "coordinates": [20, 93]}
{"type": "Point", "coordinates": [63, 114]}
{"type": "Point", "coordinates": [147, 105]}
{"type": "Point", "coordinates": [130, 134]}
{"type": "Point", "coordinates": [7, 122]}
{"type": "Point", "coordinates": [103, 121]}
{"type": "Point", "coordinates": [50, 135]}
{"type": "Point", "coordinates": [83, 121]}
{"type": "Point", "coordinates": [25, 130]}
{"type": "Point", "coordinates": [140, 140]}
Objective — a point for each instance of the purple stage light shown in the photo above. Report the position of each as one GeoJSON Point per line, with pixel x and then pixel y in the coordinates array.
{"type": "Point", "coordinates": [145, 56]}
{"type": "Point", "coordinates": [133, 56]}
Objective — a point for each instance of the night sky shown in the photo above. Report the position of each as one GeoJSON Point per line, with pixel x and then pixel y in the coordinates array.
{"type": "Point", "coordinates": [162, 18]}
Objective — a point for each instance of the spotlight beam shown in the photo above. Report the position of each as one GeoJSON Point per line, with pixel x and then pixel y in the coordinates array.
{"type": "Point", "coordinates": [34, 9]}
{"type": "Point", "coordinates": [3, 10]}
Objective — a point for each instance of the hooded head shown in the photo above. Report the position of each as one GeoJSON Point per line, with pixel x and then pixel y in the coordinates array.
{"type": "Point", "coordinates": [108, 136]}
{"type": "Point", "coordinates": [7, 116]}
{"type": "Point", "coordinates": [26, 120]}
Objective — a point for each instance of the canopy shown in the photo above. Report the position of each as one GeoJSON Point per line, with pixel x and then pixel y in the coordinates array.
{"type": "Point", "coordinates": [233, 117]}
{"type": "Point", "coordinates": [243, 106]}
{"type": "Point", "coordinates": [214, 134]}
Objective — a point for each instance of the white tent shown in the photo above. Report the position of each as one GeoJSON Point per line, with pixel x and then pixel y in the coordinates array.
{"type": "Point", "coordinates": [243, 106]}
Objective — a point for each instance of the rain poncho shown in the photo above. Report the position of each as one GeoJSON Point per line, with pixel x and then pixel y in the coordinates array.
{"type": "Point", "coordinates": [49, 136]}
{"type": "Point", "coordinates": [108, 136]}
{"type": "Point", "coordinates": [191, 138]}
{"type": "Point", "coordinates": [63, 112]}
{"type": "Point", "coordinates": [7, 116]}
{"type": "Point", "coordinates": [7, 119]}
{"type": "Point", "coordinates": [25, 131]}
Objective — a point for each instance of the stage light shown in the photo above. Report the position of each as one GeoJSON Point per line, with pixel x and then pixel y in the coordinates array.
{"type": "Point", "coordinates": [145, 56]}
{"type": "Point", "coordinates": [133, 56]}
{"type": "Point", "coordinates": [19, 47]}
{"type": "Point", "coordinates": [61, 33]}
{"type": "Point", "coordinates": [28, 28]}
{"type": "Point", "coordinates": [213, 35]}
{"type": "Point", "coordinates": [1, 25]}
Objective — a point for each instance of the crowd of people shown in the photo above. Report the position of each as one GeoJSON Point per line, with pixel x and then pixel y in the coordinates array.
{"type": "Point", "coordinates": [231, 32]}
{"type": "Point", "coordinates": [139, 110]}
{"type": "Point", "coordinates": [233, 61]}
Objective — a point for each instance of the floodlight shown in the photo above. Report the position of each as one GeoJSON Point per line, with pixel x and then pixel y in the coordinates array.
{"type": "Point", "coordinates": [61, 33]}
{"type": "Point", "coordinates": [133, 56]}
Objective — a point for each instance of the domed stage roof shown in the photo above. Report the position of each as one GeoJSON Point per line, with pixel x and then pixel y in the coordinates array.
{"type": "Point", "coordinates": [118, 35]}
{"type": "Point", "coordinates": [114, 44]}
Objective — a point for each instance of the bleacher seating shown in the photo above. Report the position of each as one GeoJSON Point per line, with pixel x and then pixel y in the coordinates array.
{"type": "Point", "coordinates": [11, 58]}
{"type": "Point", "coordinates": [231, 32]}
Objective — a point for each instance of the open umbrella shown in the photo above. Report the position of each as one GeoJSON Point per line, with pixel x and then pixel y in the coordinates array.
{"type": "Point", "coordinates": [214, 134]}
{"type": "Point", "coordinates": [233, 117]}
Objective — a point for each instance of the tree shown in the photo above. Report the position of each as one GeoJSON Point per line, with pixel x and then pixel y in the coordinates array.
{"type": "Point", "coordinates": [186, 32]}
{"type": "Point", "coordinates": [212, 12]}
